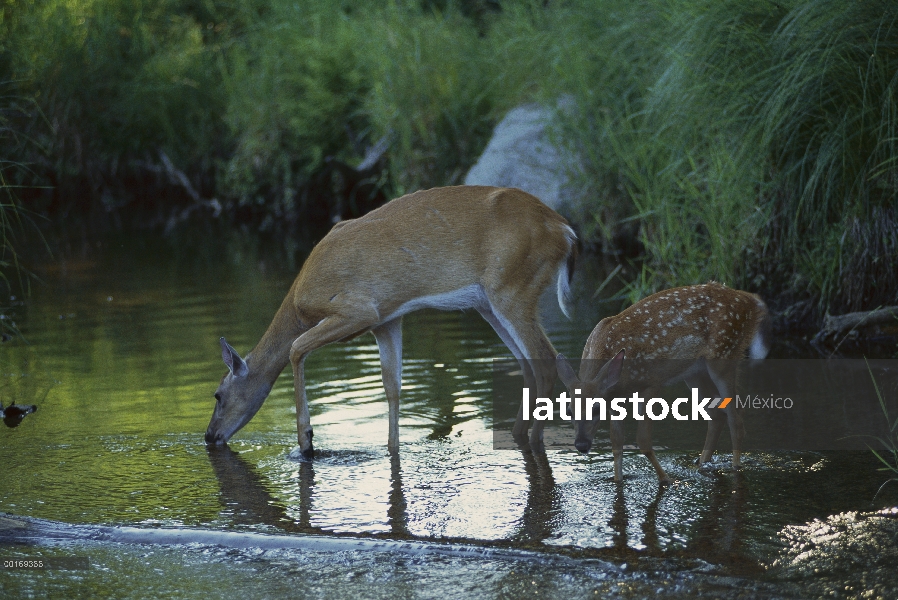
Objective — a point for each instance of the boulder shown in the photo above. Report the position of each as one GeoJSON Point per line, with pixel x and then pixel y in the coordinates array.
{"type": "Point", "coordinates": [521, 155]}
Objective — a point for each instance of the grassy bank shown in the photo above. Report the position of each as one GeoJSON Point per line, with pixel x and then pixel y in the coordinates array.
{"type": "Point", "coordinates": [744, 141]}
{"type": "Point", "coordinates": [754, 143]}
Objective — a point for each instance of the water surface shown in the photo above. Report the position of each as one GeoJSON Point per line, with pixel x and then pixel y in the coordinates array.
{"type": "Point", "coordinates": [121, 355]}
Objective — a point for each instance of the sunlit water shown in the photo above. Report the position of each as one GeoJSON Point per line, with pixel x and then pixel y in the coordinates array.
{"type": "Point", "coordinates": [121, 356]}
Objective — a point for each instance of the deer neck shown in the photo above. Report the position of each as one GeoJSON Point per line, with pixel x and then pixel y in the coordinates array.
{"type": "Point", "coordinates": [272, 354]}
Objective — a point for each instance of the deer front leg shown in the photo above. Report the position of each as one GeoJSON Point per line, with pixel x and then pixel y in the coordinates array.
{"type": "Point", "coordinates": [644, 440]}
{"type": "Point", "coordinates": [304, 447]}
{"type": "Point", "coordinates": [389, 343]}
{"type": "Point", "coordinates": [330, 329]}
{"type": "Point", "coordinates": [617, 449]}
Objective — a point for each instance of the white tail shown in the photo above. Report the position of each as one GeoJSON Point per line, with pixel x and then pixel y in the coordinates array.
{"type": "Point", "coordinates": [565, 274]}
{"type": "Point", "coordinates": [491, 249]}
{"type": "Point", "coordinates": [694, 333]}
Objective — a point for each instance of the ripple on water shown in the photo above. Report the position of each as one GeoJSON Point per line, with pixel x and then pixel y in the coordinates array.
{"type": "Point", "coordinates": [124, 383]}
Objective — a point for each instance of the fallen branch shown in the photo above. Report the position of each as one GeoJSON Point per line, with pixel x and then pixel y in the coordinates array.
{"type": "Point", "coordinates": [833, 326]}
{"type": "Point", "coordinates": [178, 178]}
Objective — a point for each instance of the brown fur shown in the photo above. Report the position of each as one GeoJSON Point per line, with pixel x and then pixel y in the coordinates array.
{"type": "Point", "coordinates": [492, 249]}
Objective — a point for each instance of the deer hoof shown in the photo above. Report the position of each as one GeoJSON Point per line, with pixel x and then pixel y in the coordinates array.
{"type": "Point", "coordinates": [299, 454]}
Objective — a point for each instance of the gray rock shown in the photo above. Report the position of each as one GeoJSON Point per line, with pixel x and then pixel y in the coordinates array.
{"type": "Point", "coordinates": [521, 155]}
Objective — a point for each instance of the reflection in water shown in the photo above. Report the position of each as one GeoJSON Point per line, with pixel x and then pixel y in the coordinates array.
{"type": "Point", "coordinates": [650, 537]}
{"type": "Point", "coordinates": [719, 533]}
{"type": "Point", "coordinates": [306, 484]}
{"type": "Point", "coordinates": [128, 350]}
{"type": "Point", "coordinates": [397, 515]}
{"type": "Point", "coordinates": [246, 499]}
{"type": "Point", "coordinates": [619, 523]}
{"type": "Point", "coordinates": [244, 493]}
{"type": "Point", "coordinates": [543, 500]}
{"type": "Point", "coordinates": [619, 520]}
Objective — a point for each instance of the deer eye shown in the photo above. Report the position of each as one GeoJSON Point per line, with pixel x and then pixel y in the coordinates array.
{"type": "Point", "coordinates": [217, 397]}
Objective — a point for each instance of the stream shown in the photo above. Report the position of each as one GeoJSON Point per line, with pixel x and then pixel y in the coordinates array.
{"type": "Point", "coordinates": [120, 353]}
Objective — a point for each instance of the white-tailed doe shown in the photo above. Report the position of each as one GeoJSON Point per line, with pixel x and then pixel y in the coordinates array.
{"type": "Point", "coordinates": [696, 333]}
{"type": "Point", "coordinates": [491, 249]}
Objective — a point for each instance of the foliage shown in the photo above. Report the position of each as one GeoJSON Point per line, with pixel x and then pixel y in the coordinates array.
{"type": "Point", "coordinates": [888, 454]}
{"type": "Point", "coordinates": [752, 142]}
{"type": "Point", "coordinates": [15, 221]}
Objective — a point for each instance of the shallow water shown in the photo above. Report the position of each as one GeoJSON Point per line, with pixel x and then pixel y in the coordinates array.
{"type": "Point", "coordinates": [121, 356]}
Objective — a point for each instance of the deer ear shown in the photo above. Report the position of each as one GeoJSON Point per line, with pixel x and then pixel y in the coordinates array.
{"type": "Point", "coordinates": [609, 375]}
{"type": "Point", "coordinates": [236, 365]}
{"type": "Point", "coordinates": [565, 372]}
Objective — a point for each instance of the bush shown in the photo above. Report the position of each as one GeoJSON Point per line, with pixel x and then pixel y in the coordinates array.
{"type": "Point", "coordinates": [751, 142]}
{"type": "Point", "coordinates": [116, 83]}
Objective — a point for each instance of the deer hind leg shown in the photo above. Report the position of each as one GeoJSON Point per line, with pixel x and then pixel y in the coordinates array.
{"type": "Point", "coordinates": [644, 440]}
{"type": "Point", "coordinates": [330, 329]}
{"type": "Point", "coordinates": [706, 388]}
{"type": "Point", "coordinates": [520, 426]}
{"type": "Point", "coordinates": [522, 327]}
{"type": "Point", "coordinates": [715, 428]}
{"type": "Point", "coordinates": [389, 343]}
{"type": "Point", "coordinates": [542, 362]}
{"type": "Point", "coordinates": [723, 373]}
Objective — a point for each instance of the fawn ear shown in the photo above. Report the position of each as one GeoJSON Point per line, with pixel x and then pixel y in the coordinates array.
{"type": "Point", "coordinates": [609, 374]}
{"type": "Point", "coordinates": [236, 365]}
{"type": "Point", "coordinates": [565, 372]}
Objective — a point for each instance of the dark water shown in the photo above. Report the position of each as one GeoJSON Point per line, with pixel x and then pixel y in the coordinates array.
{"type": "Point", "coordinates": [122, 357]}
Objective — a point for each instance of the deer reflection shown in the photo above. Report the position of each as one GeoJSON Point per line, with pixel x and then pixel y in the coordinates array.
{"type": "Point", "coordinates": [719, 533]}
{"type": "Point", "coordinates": [543, 500]}
{"type": "Point", "coordinates": [244, 493]}
{"type": "Point", "coordinates": [717, 537]}
{"type": "Point", "coordinates": [619, 523]}
{"type": "Point", "coordinates": [397, 515]}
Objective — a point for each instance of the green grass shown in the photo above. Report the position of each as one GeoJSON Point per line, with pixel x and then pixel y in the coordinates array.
{"type": "Point", "coordinates": [888, 453]}
{"type": "Point", "coordinates": [16, 222]}
{"type": "Point", "coordinates": [751, 142]}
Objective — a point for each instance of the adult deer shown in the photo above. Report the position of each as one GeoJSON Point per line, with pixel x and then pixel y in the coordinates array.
{"type": "Point", "coordinates": [693, 333]}
{"type": "Point", "coordinates": [491, 249]}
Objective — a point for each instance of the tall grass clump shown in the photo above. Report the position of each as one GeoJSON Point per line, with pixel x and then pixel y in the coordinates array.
{"type": "Point", "coordinates": [15, 221]}
{"type": "Point", "coordinates": [432, 91]}
{"type": "Point", "coordinates": [888, 453]}
{"type": "Point", "coordinates": [830, 114]}
{"type": "Point", "coordinates": [116, 84]}
{"type": "Point", "coordinates": [294, 90]}
{"type": "Point", "coordinates": [751, 142]}
{"type": "Point", "coordinates": [659, 132]}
